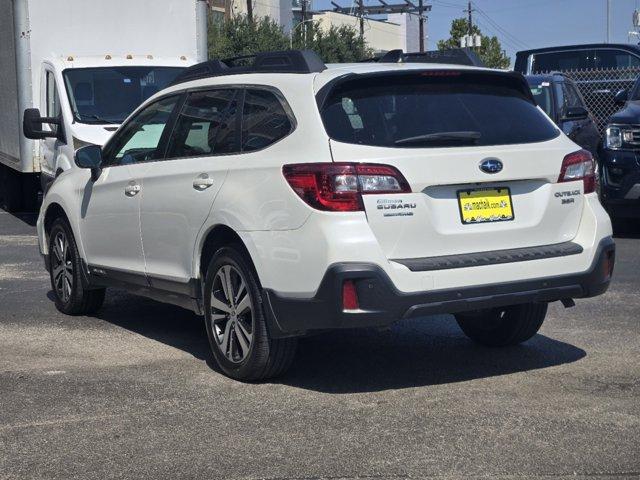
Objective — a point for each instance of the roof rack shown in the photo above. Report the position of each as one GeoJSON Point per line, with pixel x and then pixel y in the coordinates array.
{"type": "Point", "coordinates": [455, 56]}
{"type": "Point", "coordinates": [285, 61]}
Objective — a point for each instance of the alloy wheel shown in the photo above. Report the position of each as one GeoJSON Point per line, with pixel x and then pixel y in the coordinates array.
{"type": "Point", "coordinates": [231, 314]}
{"type": "Point", "coordinates": [62, 267]}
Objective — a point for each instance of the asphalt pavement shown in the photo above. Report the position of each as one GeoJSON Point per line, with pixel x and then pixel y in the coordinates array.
{"type": "Point", "coordinates": [132, 392]}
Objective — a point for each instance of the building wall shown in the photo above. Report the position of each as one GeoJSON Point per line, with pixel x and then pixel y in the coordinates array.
{"type": "Point", "coordinates": [277, 10]}
{"type": "Point", "coordinates": [410, 28]}
{"type": "Point", "coordinates": [380, 36]}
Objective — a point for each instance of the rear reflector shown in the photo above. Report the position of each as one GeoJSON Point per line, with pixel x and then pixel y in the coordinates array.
{"type": "Point", "coordinates": [579, 166]}
{"type": "Point", "coordinates": [338, 187]}
{"type": "Point", "coordinates": [609, 262]}
{"type": "Point", "coordinates": [349, 296]}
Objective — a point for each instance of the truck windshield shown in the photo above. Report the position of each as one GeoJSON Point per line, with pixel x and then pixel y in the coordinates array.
{"type": "Point", "coordinates": [105, 95]}
{"type": "Point", "coordinates": [434, 109]}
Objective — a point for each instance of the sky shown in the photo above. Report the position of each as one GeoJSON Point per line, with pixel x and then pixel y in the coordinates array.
{"type": "Point", "coordinates": [523, 24]}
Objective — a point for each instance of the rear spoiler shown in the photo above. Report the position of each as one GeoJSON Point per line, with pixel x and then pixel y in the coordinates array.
{"type": "Point", "coordinates": [518, 79]}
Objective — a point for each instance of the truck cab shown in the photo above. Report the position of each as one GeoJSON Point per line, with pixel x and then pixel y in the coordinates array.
{"type": "Point", "coordinates": [84, 99]}
{"type": "Point", "coordinates": [620, 156]}
{"type": "Point", "coordinates": [71, 72]}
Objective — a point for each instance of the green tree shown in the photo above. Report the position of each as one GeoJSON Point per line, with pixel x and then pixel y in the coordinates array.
{"type": "Point", "coordinates": [335, 45]}
{"type": "Point", "coordinates": [491, 52]}
{"type": "Point", "coordinates": [238, 36]}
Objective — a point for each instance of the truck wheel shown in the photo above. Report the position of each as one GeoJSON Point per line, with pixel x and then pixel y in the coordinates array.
{"type": "Point", "coordinates": [71, 297]}
{"type": "Point", "coordinates": [500, 327]}
{"type": "Point", "coordinates": [235, 321]}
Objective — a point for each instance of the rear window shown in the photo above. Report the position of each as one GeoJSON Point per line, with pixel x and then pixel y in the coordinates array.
{"type": "Point", "coordinates": [430, 110]}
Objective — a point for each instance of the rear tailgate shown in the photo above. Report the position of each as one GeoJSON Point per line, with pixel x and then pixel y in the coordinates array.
{"type": "Point", "coordinates": [428, 221]}
{"type": "Point", "coordinates": [465, 140]}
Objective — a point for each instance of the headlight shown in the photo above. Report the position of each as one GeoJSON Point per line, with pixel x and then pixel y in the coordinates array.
{"type": "Point", "coordinates": [613, 137]}
{"type": "Point", "coordinates": [618, 136]}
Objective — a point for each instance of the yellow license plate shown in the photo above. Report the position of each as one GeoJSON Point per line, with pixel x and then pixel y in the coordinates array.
{"type": "Point", "coordinates": [485, 205]}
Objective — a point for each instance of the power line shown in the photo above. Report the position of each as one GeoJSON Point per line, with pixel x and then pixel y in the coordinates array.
{"type": "Point", "coordinates": [504, 32]}
{"type": "Point", "coordinates": [503, 40]}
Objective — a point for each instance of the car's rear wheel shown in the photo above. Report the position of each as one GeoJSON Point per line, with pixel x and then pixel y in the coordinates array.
{"type": "Point", "coordinates": [71, 296]}
{"type": "Point", "coordinates": [500, 327]}
{"type": "Point", "coordinates": [235, 321]}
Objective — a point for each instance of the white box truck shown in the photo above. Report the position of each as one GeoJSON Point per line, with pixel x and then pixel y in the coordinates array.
{"type": "Point", "coordinates": [72, 70]}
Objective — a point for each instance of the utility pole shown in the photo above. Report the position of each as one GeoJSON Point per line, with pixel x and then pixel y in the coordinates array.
{"type": "Point", "coordinates": [250, 10]}
{"type": "Point", "coordinates": [303, 6]}
{"type": "Point", "coordinates": [470, 21]}
{"type": "Point", "coordinates": [421, 24]}
{"type": "Point", "coordinates": [407, 7]}
{"type": "Point", "coordinates": [608, 21]}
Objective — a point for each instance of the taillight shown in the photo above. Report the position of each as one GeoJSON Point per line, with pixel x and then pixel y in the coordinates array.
{"type": "Point", "coordinates": [579, 166]}
{"type": "Point", "coordinates": [338, 187]}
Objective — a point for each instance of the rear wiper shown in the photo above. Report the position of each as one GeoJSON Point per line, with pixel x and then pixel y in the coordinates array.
{"type": "Point", "coordinates": [445, 137]}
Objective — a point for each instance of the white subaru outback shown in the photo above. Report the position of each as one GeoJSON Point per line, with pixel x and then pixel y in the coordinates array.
{"type": "Point", "coordinates": [279, 197]}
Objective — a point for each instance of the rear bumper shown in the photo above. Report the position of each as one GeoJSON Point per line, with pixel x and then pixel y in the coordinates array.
{"type": "Point", "coordinates": [382, 304]}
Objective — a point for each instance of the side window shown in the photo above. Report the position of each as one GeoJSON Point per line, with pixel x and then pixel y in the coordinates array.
{"type": "Point", "coordinates": [567, 60]}
{"type": "Point", "coordinates": [572, 97]}
{"type": "Point", "coordinates": [264, 120]}
{"type": "Point", "coordinates": [560, 98]}
{"type": "Point", "coordinates": [206, 125]}
{"type": "Point", "coordinates": [53, 100]}
{"type": "Point", "coordinates": [609, 58]}
{"type": "Point", "coordinates": [139, 139]}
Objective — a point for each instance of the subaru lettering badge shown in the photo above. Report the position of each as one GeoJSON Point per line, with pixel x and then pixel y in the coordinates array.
{"type": "Point", "coordinates": [491, 165]}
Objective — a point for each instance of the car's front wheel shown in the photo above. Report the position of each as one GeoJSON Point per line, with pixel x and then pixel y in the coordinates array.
{"type": "Point", "coordinates": [235, 321]}
{"type": "Point", "coordinates": [500, 327]}
{"type": "Point", "coordinates": [71, 296]}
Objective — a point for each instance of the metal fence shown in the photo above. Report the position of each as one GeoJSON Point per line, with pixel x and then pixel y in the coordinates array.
{"type": "Point", "coordinates": [598, 87]}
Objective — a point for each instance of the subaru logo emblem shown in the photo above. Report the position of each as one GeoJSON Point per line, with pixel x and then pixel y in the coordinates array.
{"type": "Point", "coordinates": [491, 165]}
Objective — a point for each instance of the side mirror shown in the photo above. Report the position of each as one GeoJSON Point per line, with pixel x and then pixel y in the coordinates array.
{"type": "Point", "coordinates": [90, 157]}
{"type": "Point", "coordinates": [576, 113]}
{"type": "Point", "coordinates": [621, 97]}
{"type": "Point", "coordinates": [32, 125]}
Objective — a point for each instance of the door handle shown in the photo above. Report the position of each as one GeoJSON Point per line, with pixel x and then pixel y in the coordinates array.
{"type": "Point", "coordinates": [202, 182]}
{"type": "Point", "coordinates": [132, 189]}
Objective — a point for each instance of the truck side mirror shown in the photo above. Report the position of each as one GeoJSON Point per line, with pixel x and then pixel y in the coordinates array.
{"type": "Point", "coordinates": [621, 97]}
{"type": "Point", "coordinates": [576, 113]}
{"type": "Point", "coordinates": [32, 125]}
{"type": "Point", "coordinates": [90, 157]}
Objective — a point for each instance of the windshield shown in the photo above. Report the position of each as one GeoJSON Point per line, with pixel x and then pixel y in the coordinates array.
{"type": "Point", "coordinates": [109, 94]}
{"type": "Point", "coordinates": [434, 109]}
{"type": "Point", "coordinates": [542, 95]}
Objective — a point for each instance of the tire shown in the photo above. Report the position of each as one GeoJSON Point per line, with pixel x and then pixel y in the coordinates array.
{"type": "Point", "coordinates": [65, 266]}
{"type": "Point", "coordinates": [501, 327]}
{"type": "Point", "coordinates": [236, 328]}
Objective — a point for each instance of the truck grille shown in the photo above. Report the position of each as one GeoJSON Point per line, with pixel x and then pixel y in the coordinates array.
{"type": "Point", "coordinates": [635, 132]}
